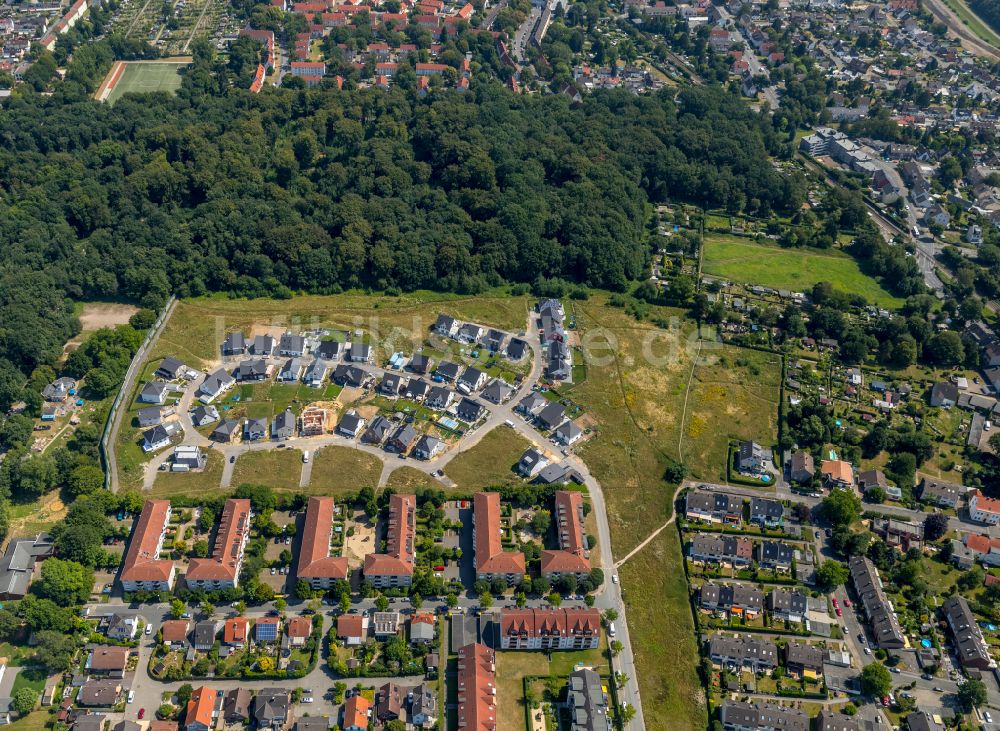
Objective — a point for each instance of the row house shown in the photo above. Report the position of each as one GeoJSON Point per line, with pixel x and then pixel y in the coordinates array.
{"type": "Point", "coordinates": [713, 507]}
{"type": "Point", "coordinates": [738, 599]}
{"type": "Point", "coordinates": [222, 569]}
{"type": "Point", "coordinates": [394, 568]}
{"type": "Point", "coordinates": [756, 654]}
{"type": "Point", "coordinates": [732, 550]}
{"type": "Point", "coordinates": [875, 604]}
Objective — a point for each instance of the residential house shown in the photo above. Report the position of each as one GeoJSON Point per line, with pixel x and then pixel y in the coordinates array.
{"type": "Point", "coordinates": [215, 384]}
{"type": "Point", "coordinates": [402, 439]}
{"type": "Point", "coordinates": [493, 340]}
{"type": "Point", "coordinates": [837, 473]}
{"type": "Point", "coordinates": [469, 333]}
{"type": "Point", "coordinates": [942, 494]}
{"type": "Point", "coordinates": [420, 364]}
{"type": "Point", "coordinates": [438, 398]}
{"type": "Point", "coordinates": [567, 433]}
{"type": "Point", "coordinates": [204, 635]}
{"type": "Point", "coordinates": [330, 350]}
{"type": "Point", "coordinates": [428, 447]}
{"type": "Point", "coordinates": [395, 567]}
{"type": "Point", "coordinates": [390, 385]}
{"type": "Point", "coordinates": [99, 693]}
{"type": "Point", "coordinates": [316, 373]}
{"type": "Point", "coordinates": [531, 463]}
{"type": "Point", "coordinates": [423, 706]}
{"type": "Point", "coordinates": [469, 410]}
{"type": "Point", "coordinates": [750, 458]}
{"type": "Point", "coordinates": [422, 628]}
{"type": "Point", "coordinates": [291, 371]}
{"type": "Point", "coordinates": [803, 661]}
{"type": "Point", "coordinates": [731, 550]}
{"type": "Point", "coordinates": [713, 507]}
{"type": "Point", "coordinates": [766, 513]}
{"type": "Point", "coordinates": [741, 716]}
{"type": "Point", "coordinates": [59, 389]}
{"type": "Point", "coordinates": [377, 431]}
{"type": "Point", "coordinates": [870, 479]}
{"type": "Point", "coordinates": [266, 629]}
{"type": "Point", "coordinates": [234, 344]}
{"type": "Point", "coordinates": [155, 439]}
{"type": "Point", "coordinates": [944, 395]}
{"type": "Point", "coordinates": [283, 426]}
{"type": "Point", "coordinates": [204, 415]}
{"type": "Point", "coordinates": [154, 392]}
{"type": "Point", "coordinates": [531, 405]}
{"type": "Point", "coordinates": [272, 708]}
{"type": "Point", "coordinates": [550, 629]}
{"type": "Point", "coordinates": [108, 660]}
{"type": "Point", "coordinates": [756, 654]}
{"type": "Point", "coordinates": [361, 353]}
{"type": "Point", "coordinates": [297, 630]}
{"type": "Point", "coordinates": [292, 345]}
{"type": "Point", "coordinates": [351, 424]}
{"type": "Point", "coordinates": [472, 379]}
{"type": "Point", "coordinates": [226, 431]}
{"type": "Point", "coordinates": [262, 346]}
{"type": "Point", "coordinates": [200, 714]}
{"type": "Point", "coordinates": [416, 389]}
{"type": "Point", "coordinates": [174, 632]}
{"type": "Point", "coordinates": [352, 629]}
{"type": "Point", "coordinates": [357, 710]}
{"type": "Point", "coordinates": [967, 637]}
{"type": "Point", "coordinates": [572, 556]}
{"type": "Point", "coordinates": [789, 605]}
{"type": "Point", "coordinates": [236, 631]}
{"type": "Point", "coordinates": [447, 371]}
{"type": "Point", "coordinates": [315, 564]}
{"type": "Point", "coordinates": [738, 599]}
{"type": "Point", "coordinates": [875, 604]}
{"type": "Point", "coordinates": [551, 416]}
{"type": "Point", "coordinates": [150, 416]}
{"type": "Point", "coordinates": [587, 702]}
{"type": "Point", "coordinates": [122, 626]}
{"type": "Point", "coordinates": [491, 560]}
{"type": "Point", "coordinates": [445, 325]}
{"type": "Point", "coordinates": [389, 701]}
{"type": "Point", "coordinates": [254, 430]}
{"type": "Point", "coordinates": [516, 349]}
{"type": "Point", "coordinates": [775, 555]}
{"type": "Point", "coordinates": [497, 392]}
{"type": "Point", "coordinates": [236, 706]}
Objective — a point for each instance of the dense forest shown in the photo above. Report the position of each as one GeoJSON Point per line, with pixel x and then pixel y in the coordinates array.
{"type": "Point", "coordinates": [219, 190]}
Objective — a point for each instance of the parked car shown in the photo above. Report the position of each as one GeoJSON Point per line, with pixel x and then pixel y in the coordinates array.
{"type": "Point", "coordinates": [142, 713]}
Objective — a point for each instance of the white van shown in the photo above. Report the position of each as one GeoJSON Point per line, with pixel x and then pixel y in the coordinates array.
{"type": "Point", "coordinates": [131, 696]}
{"type": "Point", "coordinates": [305, 456]}
{"type": "Point", "coordinates": [611, 629]}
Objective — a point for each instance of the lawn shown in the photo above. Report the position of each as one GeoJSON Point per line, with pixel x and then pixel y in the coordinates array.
{"type": "Point", "coordinates": [973, 22]}
{"type": "Point", "coordinates": [279, 469]}
{"type": "Point", "coordinates": [512, 667]}
{"type": "Point", "coordinates": [489, 463]}
{"type": "Point", "coordinates": [141, 77]}
{"type": "Point", "coordinates": [34, 721]}
{"type": "Point", "coordinates": [338, 470]}
{"type": "Point", "coordinates": [190, 484]}
{"type": "Point", "coordinates": [410, 479]}
{"type": "Point", "coordinates": [741, 260]}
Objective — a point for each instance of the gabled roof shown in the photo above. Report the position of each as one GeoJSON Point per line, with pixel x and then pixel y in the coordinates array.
{"type": "Point", "coordinates": [142, 559]}
{"type": "Point", "coordinates": [227, 554]}
{"type": "Point", "coordinates": [315, 560]}
{"type": "Point", "coordinates": [490, 556]}
{"type": "Point", "coordinates": [401, 548]}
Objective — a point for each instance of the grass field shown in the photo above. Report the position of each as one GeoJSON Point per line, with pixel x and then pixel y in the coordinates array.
{"type": "Point", "coordinates": [279, 469]}
{"type": "Point", "coordinates": [409, 479]}
{"type": "Point", "coordinates": [741, 260]}
{"type": "Point", "coordinates": [142, 77]}
{"type": "Point", "coordinates": [973, 22]}
{"type": "Point", "coordinates": [190, 484]}
{"type": "Point", "coordinates": [338, 470]}
{"type": "Point", "coordinates": [490, 463]}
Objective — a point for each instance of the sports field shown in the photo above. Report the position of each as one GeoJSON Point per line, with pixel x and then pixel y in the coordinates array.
{"type": "Point", "coordinates": [140, 77]}
{"type": "Point", "coordinates": [741, 260]}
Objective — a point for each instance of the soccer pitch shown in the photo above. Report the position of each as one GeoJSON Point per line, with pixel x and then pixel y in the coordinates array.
{"type": "Point", "coordinates": [142, 76]}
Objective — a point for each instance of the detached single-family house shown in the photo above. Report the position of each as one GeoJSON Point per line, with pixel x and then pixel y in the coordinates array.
{"type": "Point", "coordinates": [497, 392]}
{"type": "Point", "coordinates": [377, 431]}
{"type": "Point", "coordinates": [155, 439]}
{"type": "Point", "coordinates": [283, 426]}
{"type": "Point", "coordinates": [551, 416]}
{"type": "Point", "coordinates": [331, 350]}
{"type": "Point", "coordinates": [944, 394]}
{"type": "Point", "coordinates": [215, 384]}
{"type": "Point", "coordinates": [352, 629]}
{"type": "Point", "coordinates": [390, 385]}
{"type": "Point", "coordinates": [204, 415]}
{"type": "Point", "coordinates": [439, 398]}
{"type": "Point", "coordinates": [316, 373]}
{"type": "Point", "coordinates": [150, 416]}
{"type": "Point", "coordinates": [447, 370]}
{"type": "Point", "coordinates": [252, 370]}
{"type": "Point", "coordinates": [361, 353]}
{"type": "Point", "coordinates": [420, 364]}
{"type": "Point", "coordinates": [469, 333]}
{"type": "Point", "coordinates": [292, 345]}
{"type": "Point", "coordinates": [416, 389]}
{"type": "Point", "coordinates": [255, 430]}
{"type": "Point", "coordinates": [531, 463]}
{"type": "Point", "coordinates": [234, 344]}
{"type": "Point", "coordinates": [445, 325]}
{"type": "Point", "coordinates": [428, 447]}
{"type": "Point", "coordinates": [59, 389]}
{"type": "Point", "coordinates": [262, 346]}
{"type": "Point", "coordinates": [472, 379]}
{"type": "Point", "coordinates": [751, 457]}
{"type": "Point", "coordinates": [291, 371]}
{"type": "Point", "coordinates": [837, 473]}
{"type": "Point", "coordinates": [154, 392]}
{"type": "Point", "coordinates": [802, 468]}
{"type": "Point", "coordinates": [351, 424]}
{"type": "Point", "coordinates": [402, 439]}
{"type": "Point", "coordinates": [567, 433]}
{"type": "Point", "coordinates": [468, 410]}
{"type": "Point", "coordinates": [942, 494]}
{"type": "Point", "coordinates": [225, 431]}
{"type": "Point", "coordinates": [171, 368]}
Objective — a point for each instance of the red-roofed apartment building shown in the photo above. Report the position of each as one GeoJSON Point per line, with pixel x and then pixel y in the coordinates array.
{"type": "Point", "coordinates": [984, 509]}
{"type": "Point", "coordinates": [316, 565]}
{"type": "Point", "coordinates": [571, 558]}
{"type": "Point", "coordinates": [142, 567]}
{"type": "Point", "coordinates": [395, 566]}
{"type": "Point", "coordinates": [550, 629]}
{"type": "Point", "coordinates": [492, 562]}
{"type": "Point", "coordinates": [222, 570]}
{"type": "Point", "coordinates": [311, 72]}
{"type": "Point", "coordinates": [200, 711]}
{"type": "Point", "coordinates": [477, 698]}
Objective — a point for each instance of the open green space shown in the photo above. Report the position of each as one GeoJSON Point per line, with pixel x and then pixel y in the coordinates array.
{"type": "Point", "coordinates": [338, 470]}
{"type": "Point", "coordinates": [279, 469]}
{"type": "Point", "coordinates": [143, 77]}
{"type": "Point", "coordinates": [191, 484]}
{"type": "Point", "coordinates": [410, 479]}
{"type": "Point", "coordinates": [741, 260]}
{"type": "Point", "coordinates": [973, 22]}
{"type": "Point", "coordinates": [490, 463]}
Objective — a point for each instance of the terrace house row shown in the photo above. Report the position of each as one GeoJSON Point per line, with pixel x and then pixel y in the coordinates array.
{"type": "Point", "coordinates": [395, 567]}
{"type": "Point", "coordinates": [222, 569]}
{"type": "Point", "coordinates": [550, 629]}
